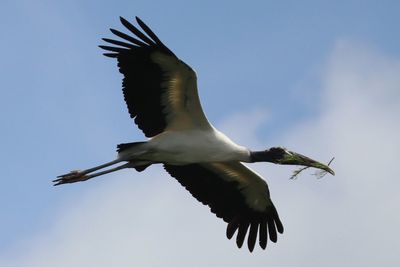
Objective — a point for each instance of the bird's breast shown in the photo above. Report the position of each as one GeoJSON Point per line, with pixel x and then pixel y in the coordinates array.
{"type": "Point", "coordinates": [195, 146]}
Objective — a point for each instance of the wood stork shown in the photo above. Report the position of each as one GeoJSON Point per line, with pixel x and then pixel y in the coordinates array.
{"type": "Point", "coordinates": [160, 91]}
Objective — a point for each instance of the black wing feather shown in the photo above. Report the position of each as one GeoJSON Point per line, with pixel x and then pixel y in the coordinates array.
{"type": "Point", "coordinates": [113, 48]}
{"type": "Point", "coordinates": [112, 55]}
{"type": "Point", "coordinates": [152, 35]}
{"type": "Point", "coordinates": [128, 38]}
{"type": "Point", "coordinates": [263, 235]}
{"type": "Point", "coordinates": [115, 42]}
{"type": "Point", "coordinates": [228, 203]}
{"type": "Point", "coordinates": [137, 32]}
{"type": "Point", "coordinates": [242, 233]}
{"type": "Point", "coordinates": [142, 77]}
{"type": "Point", "coordinates": [251, 241]}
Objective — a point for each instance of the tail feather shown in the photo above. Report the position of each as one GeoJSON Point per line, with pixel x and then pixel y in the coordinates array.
{"type": "Point", "coordinates": [138, 165]}
{"type": "Point", "coordinates": [141, 168]}
{"type": "Point", "coordinates": [124, 146]}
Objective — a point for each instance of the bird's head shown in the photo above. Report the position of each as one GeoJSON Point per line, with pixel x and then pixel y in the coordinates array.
{"type": "Point", "coordinates": [280, 155]}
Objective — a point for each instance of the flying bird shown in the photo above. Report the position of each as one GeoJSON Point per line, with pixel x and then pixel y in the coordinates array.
{"type": "Point", "coordinates": [160, 91]}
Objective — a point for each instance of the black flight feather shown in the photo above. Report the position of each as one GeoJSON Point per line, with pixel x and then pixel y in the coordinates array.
{"type": "Point", "coordinates": [111, 41]}
{"type": "Point", "coordinates": [136, 32]}
{"type": "Point", "coordinates": [128, 38]}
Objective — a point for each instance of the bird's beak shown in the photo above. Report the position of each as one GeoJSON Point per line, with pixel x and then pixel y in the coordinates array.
{"type": "Point", "coordinates": [293, 158]}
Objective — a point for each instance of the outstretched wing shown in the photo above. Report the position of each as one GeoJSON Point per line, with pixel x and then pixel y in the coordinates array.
{"type": "Point", "coordinates": [237, 195]}
{"type": "Point", "coordinates": [159, 89]}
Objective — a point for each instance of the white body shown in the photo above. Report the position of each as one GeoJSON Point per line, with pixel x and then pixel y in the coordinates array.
{"type": "Point", "coordinates": [190, 146]}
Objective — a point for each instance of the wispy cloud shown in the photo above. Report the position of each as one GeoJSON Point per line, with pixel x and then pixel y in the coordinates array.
{"type": "Point", "coordinates": [351, 219]}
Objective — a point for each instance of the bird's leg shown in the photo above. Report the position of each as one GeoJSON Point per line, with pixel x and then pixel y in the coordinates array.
{"type": "Point", "coordinates": [77, 176]}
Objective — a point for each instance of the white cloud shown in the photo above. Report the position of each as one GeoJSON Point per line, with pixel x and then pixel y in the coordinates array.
{"type": "Point", "coordinates": [359, 125]}
{"type": "Point", "coordinates": [351, 219]}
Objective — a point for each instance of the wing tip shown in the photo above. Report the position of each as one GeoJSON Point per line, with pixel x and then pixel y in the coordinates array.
{"type": "Point", "coordinates": [241, 236]}
{"type": "Point", "coordinates": [111, 55]}
{"type": "Point", "coordinates": [252, 238]}
{"type": "Point", "coordinates": [232, 227]}
{"type": "Point", "coordinates": [122, 19]}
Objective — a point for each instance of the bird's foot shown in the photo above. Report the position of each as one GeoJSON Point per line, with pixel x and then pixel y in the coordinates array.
{"type": "Point", "coordinates": [71, 177]}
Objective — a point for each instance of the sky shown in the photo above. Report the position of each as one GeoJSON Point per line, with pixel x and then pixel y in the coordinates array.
{"type": "Point", "coordinates": [319, 77]}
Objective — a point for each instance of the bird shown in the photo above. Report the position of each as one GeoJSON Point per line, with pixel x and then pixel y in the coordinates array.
{"type": "Point", "coordinates": [161, 95]}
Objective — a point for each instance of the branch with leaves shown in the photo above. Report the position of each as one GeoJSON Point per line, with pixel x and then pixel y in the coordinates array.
{"type": "Point", "coordinates": [319, 173]}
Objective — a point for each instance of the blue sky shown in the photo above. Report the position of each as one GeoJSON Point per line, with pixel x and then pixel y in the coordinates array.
{"type": "Point", "coordinates": [319, 76]}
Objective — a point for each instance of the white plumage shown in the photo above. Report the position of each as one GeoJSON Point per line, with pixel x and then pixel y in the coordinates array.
{"type": "Point", "coordinates": [193, 146]}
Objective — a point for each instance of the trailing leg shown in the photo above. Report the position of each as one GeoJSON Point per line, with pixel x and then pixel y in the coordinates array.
{"type": "Point", "coordinates": [78, 176]}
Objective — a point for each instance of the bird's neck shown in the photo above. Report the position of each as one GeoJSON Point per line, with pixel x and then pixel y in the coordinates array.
{"type": "Point", "coordinates": [270, 155]}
